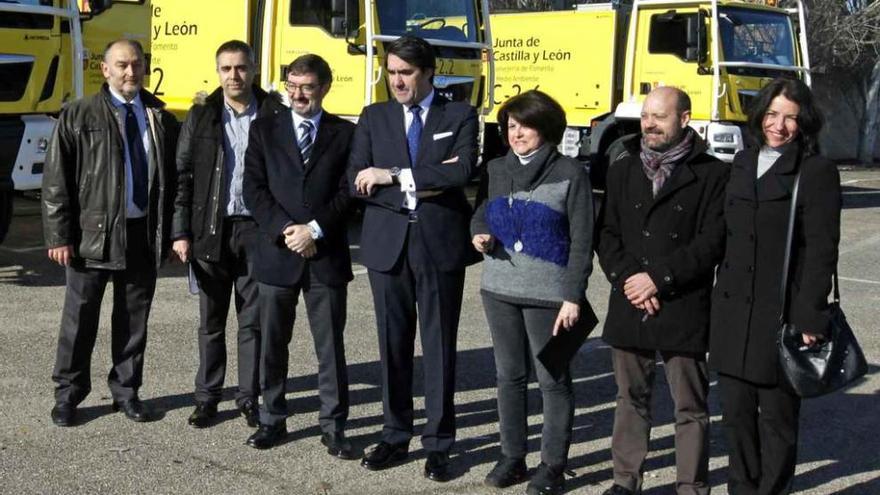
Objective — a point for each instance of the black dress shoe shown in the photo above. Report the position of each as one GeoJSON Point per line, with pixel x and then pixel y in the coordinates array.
{"type": "Point", "coordinates": [63, 414]}
{"type": "Point", "coordinates": [249, 410]}
{"type": "Point", "coordinates": [618, 490]}
{"type": "Point", "coordinates": [437, 466]}
{"type": "Point", "coordinates": [385, 455]}
{"type": "Point", "coordinates": [339, 446]}
{"type": "Point", "coordinates": [546, 481]}
{"type": "Point", "coordinates": [203, 415]}
{"type": "Point", "coordinates": [134, 410]}
{"type": "Point", "coordinates": [267, 436]}
{"type": "Point", "coordinates": [507, 472]}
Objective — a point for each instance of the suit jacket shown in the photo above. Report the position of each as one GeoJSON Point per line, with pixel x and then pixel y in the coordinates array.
{"type": "Point", "coordinates": [746, 301]}
{"type": "Point", "coordinates": [677, 238]}
{"type": "Point", "coordinates": [280, 190]}
{"type": "Point", "coordinates": [449, 135]}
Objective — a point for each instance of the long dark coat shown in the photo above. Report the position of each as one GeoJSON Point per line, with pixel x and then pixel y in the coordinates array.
{"type": "Point", "coordinates": [746, 301]}
{"type": "Point", "coordinates": [677, 238]}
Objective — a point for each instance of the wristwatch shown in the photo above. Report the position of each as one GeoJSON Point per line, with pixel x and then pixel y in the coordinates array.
{"type": "Point", "coordinates": [313, 232]}
{"type": "Point", "coordinates": [395, 174]}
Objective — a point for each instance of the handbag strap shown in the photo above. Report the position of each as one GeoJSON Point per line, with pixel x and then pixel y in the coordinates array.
{"type": "Point", "coordinates": [788, 240]}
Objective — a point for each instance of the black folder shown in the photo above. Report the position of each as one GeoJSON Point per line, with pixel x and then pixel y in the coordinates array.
{"type": "Point", "coordinates": [561, 348]}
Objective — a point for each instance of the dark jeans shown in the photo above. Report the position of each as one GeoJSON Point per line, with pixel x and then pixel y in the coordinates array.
{"type": "Point", "coordinates": [761, 428]}
{"type": "Point", "coordinates": [217, 280]}
{"type": "Point", "coordinates": [133, 290]}
{"type": "Point", "coordinates": [688, 378]}
{"type": "Point", "coordinates": [518, 334]}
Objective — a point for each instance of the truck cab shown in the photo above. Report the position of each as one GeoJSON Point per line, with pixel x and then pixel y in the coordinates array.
{"type": "Point", "coordinates": [720, 52]}
{"type": "Point", "coordinates": [350, 34]}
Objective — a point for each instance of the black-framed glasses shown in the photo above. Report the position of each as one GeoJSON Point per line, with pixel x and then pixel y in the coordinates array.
{"type": "Point", "coordinates": [306, 89]}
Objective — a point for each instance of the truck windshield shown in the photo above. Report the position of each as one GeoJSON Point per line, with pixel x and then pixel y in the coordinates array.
{"type": "Point", "coordinates": [757, 37]}
{"type": "Point", "coordinates": [450, 20]}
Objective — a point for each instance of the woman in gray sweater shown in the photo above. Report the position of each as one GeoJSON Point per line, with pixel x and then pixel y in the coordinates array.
{"type": "Point", "coordinates": [534, 224]}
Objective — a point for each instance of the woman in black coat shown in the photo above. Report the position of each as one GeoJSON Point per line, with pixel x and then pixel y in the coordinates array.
{"type": "Point", "coordinates": [760, 411]}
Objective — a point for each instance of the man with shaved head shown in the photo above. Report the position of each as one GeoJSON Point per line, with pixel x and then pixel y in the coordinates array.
{"type": "Point", "coordinates": [108, 191]}
{"type": "Point", "coordinates": [661, 236]}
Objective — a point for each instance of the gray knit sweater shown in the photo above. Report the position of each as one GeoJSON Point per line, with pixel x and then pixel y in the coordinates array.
{"type": "Point", "coordinates": [541, 215]}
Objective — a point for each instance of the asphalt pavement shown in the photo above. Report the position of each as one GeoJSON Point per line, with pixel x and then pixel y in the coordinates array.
{"type": "Point", "coordinates": [106, 453]}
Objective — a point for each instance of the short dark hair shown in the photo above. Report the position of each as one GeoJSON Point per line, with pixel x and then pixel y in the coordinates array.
{"type": "Point", "coordinates": [237, 46]}
{"type": "Point", "coordinates": [125, 41]}
{"type": "Point", "coordinates": [414, 51]}
{"type": "Point", "coordinates": [311, 64]}
{"type": "Point", "coordinates": [537, 110]}
{"type": "Point", "coordinates": [809, 117]}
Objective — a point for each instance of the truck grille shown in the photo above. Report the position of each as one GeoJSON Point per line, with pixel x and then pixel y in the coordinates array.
{"type": "Point", "coordinates": [14, 77]}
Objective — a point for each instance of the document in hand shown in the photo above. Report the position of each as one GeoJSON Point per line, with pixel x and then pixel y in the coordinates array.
{"type": "Point", "coordinates": [560, 349]}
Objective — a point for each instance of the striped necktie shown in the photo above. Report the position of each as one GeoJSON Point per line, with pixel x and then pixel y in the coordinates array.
{"type": "Point", "coordinates": [305, 142]}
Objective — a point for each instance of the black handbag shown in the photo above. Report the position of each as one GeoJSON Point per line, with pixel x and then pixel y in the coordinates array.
{"type": "Point", "coordinates": [828, 365]}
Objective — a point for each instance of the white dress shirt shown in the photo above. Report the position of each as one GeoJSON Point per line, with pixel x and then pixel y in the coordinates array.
{"type": "Point", "coordinates": [316, 121]}
{"type": "Point", "coordinates": [407, 182]}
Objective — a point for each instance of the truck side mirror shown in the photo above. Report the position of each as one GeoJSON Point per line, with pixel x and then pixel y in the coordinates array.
{"type": "Point", "coordinates": [98, 6]}
{"type": "Point", "coordinates": [696, 38]}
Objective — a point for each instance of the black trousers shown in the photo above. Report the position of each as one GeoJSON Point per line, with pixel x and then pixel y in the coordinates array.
{"type": "Point", "coordinates": [761, 428]}
{"type": "Point", "coordinates": [325, 307]}
{"type": "Point", "coordinates": [133, 290]}
{"type": "Point", "coordinates": [415, 290]}
{"type": "Point", "coordinates": [518, 333]}
{"type": "Point", "coordinates": [217, 280]}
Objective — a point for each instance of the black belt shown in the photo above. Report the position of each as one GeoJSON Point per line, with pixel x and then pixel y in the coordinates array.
{"type": "Point", "coordinates": [239, 218]}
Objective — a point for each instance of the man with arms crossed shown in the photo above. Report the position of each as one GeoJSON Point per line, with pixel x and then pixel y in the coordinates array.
{"type": "Point", "coordinates": [410, 160]}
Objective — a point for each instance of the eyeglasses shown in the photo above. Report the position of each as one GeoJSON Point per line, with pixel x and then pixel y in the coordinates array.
{"type": "Point", "coordinates": [306, 89]}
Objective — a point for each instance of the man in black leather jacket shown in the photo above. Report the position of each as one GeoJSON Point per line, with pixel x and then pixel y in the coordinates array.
{"type": "Point", "coordinates": [108, 190]}
{"type": "Point", "coordinates": [214, 230]}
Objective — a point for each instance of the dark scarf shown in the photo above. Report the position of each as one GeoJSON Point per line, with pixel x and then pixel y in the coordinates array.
{"type": "Point", "coordinates": [658, 165]}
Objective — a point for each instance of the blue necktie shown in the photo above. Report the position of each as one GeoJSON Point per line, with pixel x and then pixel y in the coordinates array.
{"type": "Point", "coordinates": [138, 158]}
{"type": "Point", "coordinates": [305, 142]}
{"type": "Point", "coordinates": [414, 134]}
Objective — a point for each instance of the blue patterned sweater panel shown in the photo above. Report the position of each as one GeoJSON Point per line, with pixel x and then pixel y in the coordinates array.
{"type": "Point", "coordinates": [539, 222]}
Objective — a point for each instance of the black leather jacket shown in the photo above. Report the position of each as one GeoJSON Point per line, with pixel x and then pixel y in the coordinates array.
{"type": "Point", "coordinates": [201, 175]}
{"type": "Point", "coordinates": [84, 181]}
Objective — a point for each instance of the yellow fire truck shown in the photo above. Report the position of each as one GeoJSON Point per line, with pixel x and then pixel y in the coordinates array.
{"type": "Point", "coordinates": [600, 60]}
{"type": "Point", "coordinates": [350, 34]}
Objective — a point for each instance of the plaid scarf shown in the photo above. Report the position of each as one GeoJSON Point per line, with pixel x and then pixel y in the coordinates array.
{"type": "Point", "coordinates": [658, 165]}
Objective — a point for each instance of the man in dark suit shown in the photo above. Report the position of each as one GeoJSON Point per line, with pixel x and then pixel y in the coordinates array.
{"type": "Point", "coordinates": [214, 229]}
{"type": "Point", "coordinates": [107, 205]}
{"type": "Point", "coordinates": [410, 160]}
{"type": "Point", "coordinates": [295, 187]}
